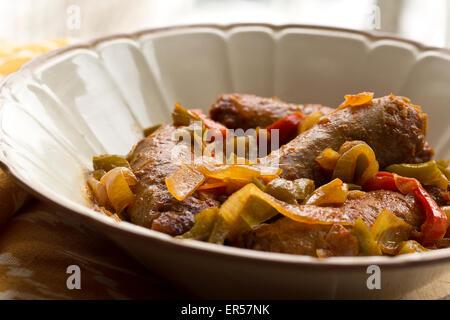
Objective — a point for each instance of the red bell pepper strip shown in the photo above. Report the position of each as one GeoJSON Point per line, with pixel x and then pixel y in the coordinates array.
{"type": "Point", "coordinates": [215, 127]}
{"type": "Point", "coordinates": [287, 126]}
{"type": "Point", "coordinates": [382, 180]}
{"type": "Point", "coordinates": [435, 225]}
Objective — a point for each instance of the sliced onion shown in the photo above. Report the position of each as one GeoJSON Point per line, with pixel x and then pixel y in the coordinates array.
{"type": "Point", "coordinates": [357, 164]}
{"type": "Point", "coordinates": [309, 121]}
{"type": "Point", "coordinates": [332, 193]}
{"type": "Point", "coordinates": [183, 182]}
{"type": "Point", "coordinates": [410, 246]}
{"type": "Point", "coordinates": [250, 206]}
{"type": "Point", "coordinates": [117, 182]}
{"type": "Point", "coordinates": [327, 159]}
{"type": "Point", "coordinates": [244, 173]}
{"type": "Point", "coordinates": [98, 190]}
{"type": "Point", "coordinates": [389, 231]}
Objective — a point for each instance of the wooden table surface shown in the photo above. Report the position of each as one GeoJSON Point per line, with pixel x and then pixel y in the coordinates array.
{"type": "Point", "coordinates": [39, 243]}
{"type": "Point", "coordinates": [438, 289]}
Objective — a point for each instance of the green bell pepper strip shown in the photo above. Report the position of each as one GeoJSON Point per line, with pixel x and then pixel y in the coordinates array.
{"type": "Point", "coordinates": [428, 173]}
{"type": "Point", "coordinates": [367, 243]}
{"type": "Point", "coordinates": [148, 131]}
{"type": "Point", "coordinates": [108, 162]}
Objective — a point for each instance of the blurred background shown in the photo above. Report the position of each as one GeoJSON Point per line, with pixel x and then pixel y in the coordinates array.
{"type": "Point", "coordinates": [37, 20]}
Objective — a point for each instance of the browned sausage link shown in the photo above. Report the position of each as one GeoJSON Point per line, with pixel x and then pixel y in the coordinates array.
{"type": "Point", "coordinates": [247, 111]}
{"type": "Point", "coordinates": [155, 208]}
{"type": "Point", "coordinates": [442, 197]}
{"type": "Point", "coordinates": [393, 128]}
{"type": "Point", "coordinates": [288, 236]}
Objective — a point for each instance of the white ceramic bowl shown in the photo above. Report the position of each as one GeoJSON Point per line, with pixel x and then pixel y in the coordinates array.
{"type": "Point", "coordinates": [66, 106]}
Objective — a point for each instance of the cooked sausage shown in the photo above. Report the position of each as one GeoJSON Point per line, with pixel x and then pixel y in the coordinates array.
{"type": "Point", "coordinates": [245, 111]}
{"type": "Point", "coordinates": [152, 162]}
{"type": "Point", "coordinates": [390, 125]}
{"type": "Point", "coordinates": [288, 236]}
{"type": "Point", "coordinates": [369, 206]}
{"type": "Point", "coordinates": [442, 197]}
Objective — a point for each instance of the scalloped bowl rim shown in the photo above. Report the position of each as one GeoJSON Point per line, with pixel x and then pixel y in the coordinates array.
{"type": "Point", "coordinates": [342, 263]}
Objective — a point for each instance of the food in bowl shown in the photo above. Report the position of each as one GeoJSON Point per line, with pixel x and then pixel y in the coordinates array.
{"type": "Point", "coordinates": [262, 174]}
